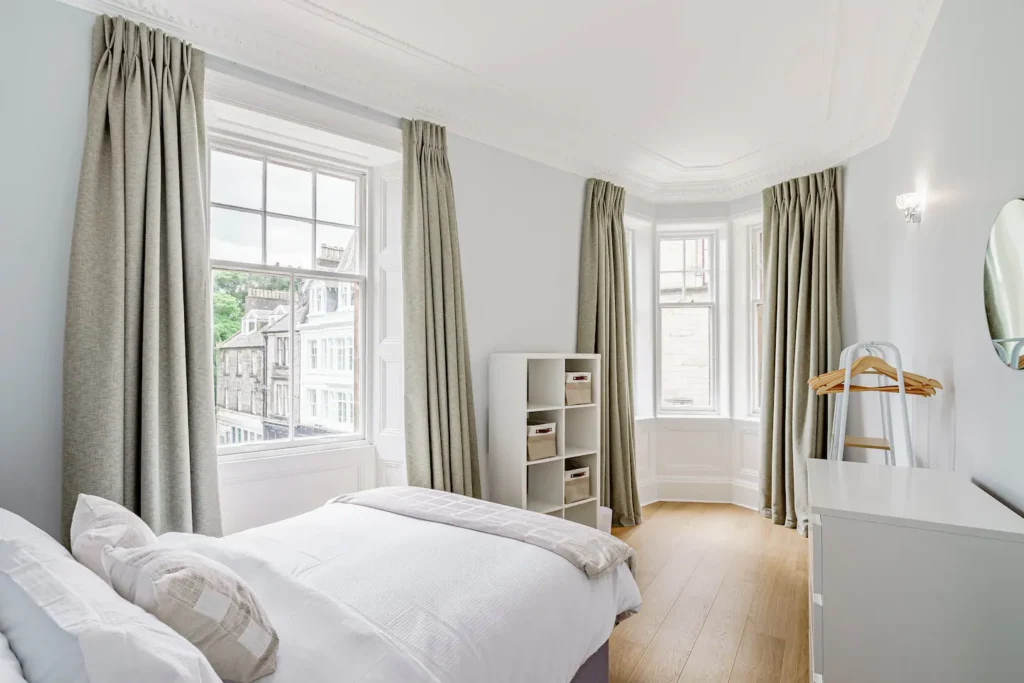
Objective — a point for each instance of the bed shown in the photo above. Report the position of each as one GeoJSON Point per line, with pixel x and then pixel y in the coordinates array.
{"type": "Point", "coordinates": [355, 593]}
{"type": "Point", "coordinates": [361, 594]}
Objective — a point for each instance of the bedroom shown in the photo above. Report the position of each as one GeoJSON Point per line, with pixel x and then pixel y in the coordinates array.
{"type": "Point", "coordinates": [698, 111]}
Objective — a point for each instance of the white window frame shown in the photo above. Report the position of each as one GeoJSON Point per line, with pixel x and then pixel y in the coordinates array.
{"type": "Point", "coordinates": [631, 280]}
{"type": "Point", "coordinates": [754, 244]}
{"type": "Point", "coordinates": [677, 233]}
{"type": "Point", "coordinates": [267, 151]}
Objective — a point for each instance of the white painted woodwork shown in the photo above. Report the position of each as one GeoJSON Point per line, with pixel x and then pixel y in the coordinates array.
{"type": "Point", "coordinates": [269, 488]}
{"type": "Point", "coordinates": [697, 101]}
{"type": "Point", "coordinates": [701, 459]}
{"type": "Point", "coordinates": [386, 278]}
{"type": "Point", "coordinates": [915, 576]}
{"type": "Point", "coordinates": [523, 386]}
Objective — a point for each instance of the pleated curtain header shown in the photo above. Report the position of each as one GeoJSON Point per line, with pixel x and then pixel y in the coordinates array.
{"type": "Point", "coordinates": [134, 46]}
{"type": "Point", "coordinates": [426, 135]}
{"type": "Point", "coordinates": [807, 190]}
{"type": "Point", "coordinates": [607, 196]}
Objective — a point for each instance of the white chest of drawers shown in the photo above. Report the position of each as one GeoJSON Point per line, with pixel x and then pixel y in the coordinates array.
{"type": "Point", "coordinates": [916, 575]}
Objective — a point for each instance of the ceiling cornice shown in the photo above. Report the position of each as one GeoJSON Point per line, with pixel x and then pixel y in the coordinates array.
{"type": "Point", "coordinates": [508, 119]}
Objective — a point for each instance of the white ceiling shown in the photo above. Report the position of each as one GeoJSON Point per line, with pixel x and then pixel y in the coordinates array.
{"type": "Point", "coordinates": [678, 100]}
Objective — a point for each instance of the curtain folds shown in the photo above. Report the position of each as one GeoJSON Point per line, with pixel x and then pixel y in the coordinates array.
{"type": "Point", "coordinates": [138, 358]}
{"type": "Point", "coordinates": [440, 423]}
{"type": "Point", "coordinates": [803, 240]}
{"type": "Point", "coordinates": [604, 326]}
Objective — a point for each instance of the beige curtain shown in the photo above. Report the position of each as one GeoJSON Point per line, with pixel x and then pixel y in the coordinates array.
{"type": "Point", "coordinates": [138, 357]}
{"type": "Point", "coordinates": [440, 425]}
{"type": "Point", "coordinates": [803, 241]}
{"type": "Point", "coordinates": [604, 326]}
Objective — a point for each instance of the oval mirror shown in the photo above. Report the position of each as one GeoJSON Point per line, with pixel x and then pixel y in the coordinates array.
{"type": "Point", "coordinates": [1004, 284]}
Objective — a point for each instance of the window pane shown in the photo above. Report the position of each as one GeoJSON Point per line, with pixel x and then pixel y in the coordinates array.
{"type": "Point", "coordinates": [697, 286]}
{"type": "Point", "coordinates": [289, 243]}
{"type": "Point", "coordinates": [698, 253]}
{"type": "Point", "coordinates": [236, 236]}
{"type": "Point", "coordinates": [337, 249]}
{"type": "Point", "coordinates": [329, 338]}
{"type": "Point", "coordinates": [671, 256]}
{"type": "Point", "coordinates": [236, 180]}
{"type": "Point", "coordinates": [289, 191]}
{"type": "Point", "coordinates": [671, 288]}
{"type": "Point", "coordinates": [686, 357]}
{"type": "Point", "coordinates": [757, 265]}
{"type": "Point", "coordinates": [250, 316]}
{"type": "Point", "coordinates": [335, 199]}
{"type": "Point", "coordinates": [758, 327]}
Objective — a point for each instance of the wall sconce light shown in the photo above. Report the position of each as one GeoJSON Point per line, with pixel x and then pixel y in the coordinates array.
{"type": "Point", "coordinates": [911, 205]}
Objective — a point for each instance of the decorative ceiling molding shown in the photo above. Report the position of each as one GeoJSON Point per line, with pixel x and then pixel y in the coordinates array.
{"type": "Point", "coordinates": [305, 41]}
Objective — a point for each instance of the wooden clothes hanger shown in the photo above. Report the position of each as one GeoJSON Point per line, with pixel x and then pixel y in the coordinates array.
{"type": "Point", "coordinates": [833, 382]}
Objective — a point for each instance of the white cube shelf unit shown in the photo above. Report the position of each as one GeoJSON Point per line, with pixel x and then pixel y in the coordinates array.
{"type": "Point", "coordinates": [528, 386]}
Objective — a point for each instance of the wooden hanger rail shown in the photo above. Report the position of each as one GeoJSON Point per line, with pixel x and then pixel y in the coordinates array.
{"type": "Point", "coordinates": [833, 382]}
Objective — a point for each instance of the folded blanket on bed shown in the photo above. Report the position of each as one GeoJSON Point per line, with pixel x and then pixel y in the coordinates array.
{"type": "Point", "coordinates": [590, 550]}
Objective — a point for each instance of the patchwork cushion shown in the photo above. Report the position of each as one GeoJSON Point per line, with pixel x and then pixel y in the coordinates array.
{"type": "Point", "coordinates": [98, 523]}
{"type": "Point", "coordinates": [202, 600]}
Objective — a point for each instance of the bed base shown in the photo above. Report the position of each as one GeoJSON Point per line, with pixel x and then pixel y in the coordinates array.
{"type": "Point", "coordinates": [595, 669]}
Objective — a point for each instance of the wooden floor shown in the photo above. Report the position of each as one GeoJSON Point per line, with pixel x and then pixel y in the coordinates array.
{"type": "Point", "coordinates": [725, 599]}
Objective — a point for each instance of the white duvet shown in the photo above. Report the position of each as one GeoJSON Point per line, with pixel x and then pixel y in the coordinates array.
{"type": "Point", "coordinates": [361, 595]}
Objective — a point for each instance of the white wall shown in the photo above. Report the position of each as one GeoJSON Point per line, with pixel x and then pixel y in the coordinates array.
{"type": "Point", "coordinates": [959, 135]}
{"type": "Point", "coordinates": [519, 236]}
{"type": "Point", "coordinates": [45, 48]}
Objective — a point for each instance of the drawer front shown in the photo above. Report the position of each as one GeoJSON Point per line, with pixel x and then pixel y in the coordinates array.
{"type": "Point", "coordinates": [817, 650]}
{"type": "Point", "coordinates": [815, 554]}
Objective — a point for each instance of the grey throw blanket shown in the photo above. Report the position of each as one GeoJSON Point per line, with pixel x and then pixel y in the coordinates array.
{"type": "Point", "coordinates": [592, 551]}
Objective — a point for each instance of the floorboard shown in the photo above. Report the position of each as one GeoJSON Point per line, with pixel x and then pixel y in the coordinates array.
{"type": "Point", "coordinates": [725, 599]}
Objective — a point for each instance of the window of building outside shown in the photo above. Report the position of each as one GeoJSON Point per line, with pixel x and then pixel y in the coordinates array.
{"type": "Point", "coordinates": [286, 242]}
{"type": "Point", "coordinates": [686, 323]}
{"type": "Point", "coordinates": [756, 316]}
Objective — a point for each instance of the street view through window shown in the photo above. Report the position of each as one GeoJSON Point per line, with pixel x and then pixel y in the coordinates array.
{"type": "Point", "coordinates": [287, 303]}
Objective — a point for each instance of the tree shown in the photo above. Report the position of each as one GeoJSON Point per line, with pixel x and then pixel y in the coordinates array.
{"type": "Point", "coordinates": [227, 316]}
{"type": "Point", "coordinates": [237, 284]}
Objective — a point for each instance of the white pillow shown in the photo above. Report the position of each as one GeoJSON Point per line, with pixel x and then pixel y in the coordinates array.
{"type": "Point", "coordinates": [67, 626]}
{"type": "Point", "coordinates": [202, 600]}
{"type": "Point", "coordinates": [10, 668]}
{"type": "Point", "coordinates": [97, 523]}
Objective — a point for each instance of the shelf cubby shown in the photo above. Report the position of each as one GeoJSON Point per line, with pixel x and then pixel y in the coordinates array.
{"type": "Point", "coordinates": [582, 431]}
{"type": "Point", "coordinates": [584, 512]}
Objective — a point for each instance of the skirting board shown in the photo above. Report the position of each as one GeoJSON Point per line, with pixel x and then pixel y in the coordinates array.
{"type": "Point", "coordinates": [680, 489]}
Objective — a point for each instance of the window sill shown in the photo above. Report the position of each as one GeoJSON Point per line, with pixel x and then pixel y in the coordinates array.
{"type": "Point", "coordinates": [708, 422]}
{"type": "Point", "coordinates": [270, 451]}
{"type": "Point", "coordinates": [692, 416]}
